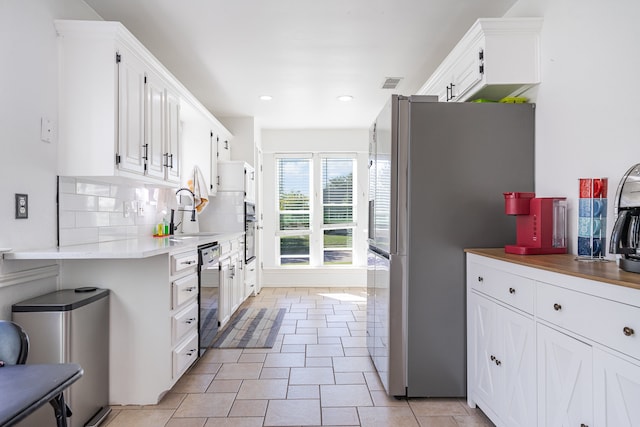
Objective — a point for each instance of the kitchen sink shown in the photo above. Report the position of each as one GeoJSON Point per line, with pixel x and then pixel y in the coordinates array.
{"type": "Point", "coordinates": [181, 238]}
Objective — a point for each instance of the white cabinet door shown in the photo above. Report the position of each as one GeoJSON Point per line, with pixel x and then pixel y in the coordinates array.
{"type": "Point", "coordinates": [231, 176]}
{"type": "Point", "coordinates": [519, 369]}
{"type": "Point", "coordinates": [237, 282]}
{"type": "Point", "coordinates": [484, 327]}
{"type": "Point", "coordinates": [173, 142]}
{"type": "Point", "coordinates": [131, 100]}
{"type": "Point", "coordinates": [224, 290]}
{"type": "Point", "coordinates": [213, 162]}
{"type": "Point", "coordinates": [503, 361]}
{"type": "Point", "coordinates": [154, 121]}
{"type": "Point", "coordinates": [250, 276]}
{"type": "Point", "coordinates": [616, 391]}
{"type": "Point", "coordinates": [224, 149]}
{"type": "Point", "coordinates": [249, 183]}
{"type": "Point", "coordinates": [467, 71]}
{"type": "Point", "coordinates": [565, 386]}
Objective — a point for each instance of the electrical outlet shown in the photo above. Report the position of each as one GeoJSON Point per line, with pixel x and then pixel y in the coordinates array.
{"type": "Point", "coordinates": [22, 206]}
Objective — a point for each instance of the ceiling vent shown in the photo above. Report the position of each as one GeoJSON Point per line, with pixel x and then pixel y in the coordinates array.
{"type": "Point", "coordinates": [391, 82]}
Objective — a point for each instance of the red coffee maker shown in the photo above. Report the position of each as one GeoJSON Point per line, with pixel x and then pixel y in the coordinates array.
{"type": "Point", "coordinates": [541, 223]}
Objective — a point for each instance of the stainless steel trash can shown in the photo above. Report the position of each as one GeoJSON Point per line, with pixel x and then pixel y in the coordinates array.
{"type": "Point", "coordinates": [71, 326]}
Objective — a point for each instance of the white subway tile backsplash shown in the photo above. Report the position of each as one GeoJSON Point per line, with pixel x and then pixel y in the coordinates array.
{"type": "Point", "coordinates": [93, 211]}
{"type": "Point", "coordinates": [93, 189]}
{"type": "Point", "coordinates": [77, 236]}
{"type": "Point", "coordinates": [67, 219]}
{"type": "Point", "coordinates": [117, 218]}
{"type": "Point", "coordinates": [67, 185]}
{"type": "Point", "coordinates": [78, 202]}
{"type": "Point", "coordinates": [107, 234]}
{"type": "Point", "coordinates": [108, 204]}
{"type": "Point", "coordinates": [92, 219]}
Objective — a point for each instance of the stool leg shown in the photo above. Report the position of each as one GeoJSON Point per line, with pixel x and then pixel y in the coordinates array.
{"type": "Point", "coordinates": [61, 410]}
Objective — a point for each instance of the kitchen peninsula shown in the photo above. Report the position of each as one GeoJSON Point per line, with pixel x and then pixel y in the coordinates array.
{"type": "Point", "coordinates": [153, 336]}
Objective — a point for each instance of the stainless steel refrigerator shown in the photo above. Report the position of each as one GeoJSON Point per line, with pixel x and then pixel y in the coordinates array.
{"type": "Point", "coordinates": [437, 172]}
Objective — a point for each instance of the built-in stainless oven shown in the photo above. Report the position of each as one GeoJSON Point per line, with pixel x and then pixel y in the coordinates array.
{"type": "Point", "coordinates": [250, 232]}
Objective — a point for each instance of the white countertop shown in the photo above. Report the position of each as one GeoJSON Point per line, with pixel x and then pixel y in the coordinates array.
{"type": "Point", "coordinates": [118, 249]}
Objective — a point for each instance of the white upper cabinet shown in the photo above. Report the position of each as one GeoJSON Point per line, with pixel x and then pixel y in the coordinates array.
{"type": "Point", "coordinates": [131, 101]}
{"type": "Point", "coordinates": [120, 109]}
{"type": "Point", "coordinates": [497, 57]}
{"type": "Point", "coordinates": [223, 143]}
{"type": "Point", "coordinates": [237, 176]}
{"type": "Point", "coordinates": [173, 143]}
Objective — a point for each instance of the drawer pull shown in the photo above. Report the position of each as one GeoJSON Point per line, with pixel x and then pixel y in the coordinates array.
{"type": "Point", "coordinates": [493, 358]}
{"type": "Point", "coordinates": [512, 291]}
{"type": "Point", "coordinates": [480, 279]}
{"type": "Point", "coordinates": [189, 321]}
{"type": "Point", "coordinates": [193, 350]}
{"type": "Point", "coordinates": [188, 262]}
{"type": "Point", "coordinates": [628, 331]}
{"type": "Point", "coordinates": [190, 289]}
{"type": "Point", "coordinates": [498, 363]}
{"type": "Point", "coordinates": [557, 307]}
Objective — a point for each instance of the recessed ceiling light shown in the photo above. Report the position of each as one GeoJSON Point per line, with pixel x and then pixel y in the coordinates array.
{"type": "Point", "coordinates": [266, 97]}
{"type": "Point", "coordinates": [345, 98]}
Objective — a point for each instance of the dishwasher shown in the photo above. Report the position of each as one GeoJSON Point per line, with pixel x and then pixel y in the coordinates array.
{"type": "Point", "coordinates": [70, 326]}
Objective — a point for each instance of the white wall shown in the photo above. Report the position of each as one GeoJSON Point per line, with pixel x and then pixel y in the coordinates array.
{"type": "Point", "coordinates": [244, 138]}
{"type": "Point", "coordinates": [29, 87]}
{"type": "Point", "coordinates": [313, 141]}
{"type": "Point", "coordinates": [588, 115]}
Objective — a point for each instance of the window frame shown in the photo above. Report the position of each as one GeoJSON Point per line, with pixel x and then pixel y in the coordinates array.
{"type": "Point", "coordinates": [317, 227]}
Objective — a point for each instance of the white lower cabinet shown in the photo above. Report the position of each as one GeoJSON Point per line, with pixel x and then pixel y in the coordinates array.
{"type": "Point", "coordinates": [250, 278]}
{"type": "Point", "coordinates": [231, 280]}
{"type": "Point", "coordinates": [224, 292]}
{"type": "Point", "coordinates": [502, 365]}
{"type": "Point", "coordinates": [565, 389]}
{"type": "Point", "coordinates": [616, 390]}
{"type": "Point", "coordinates": [551, 349]}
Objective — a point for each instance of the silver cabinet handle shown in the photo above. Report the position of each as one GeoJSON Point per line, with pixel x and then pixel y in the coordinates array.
{"type": "Point", "coordinates": [190, 289]}
{"type": "Point", "coordinates": [190, 320]}
{"type": "Point", "coordinates": [188, 262]}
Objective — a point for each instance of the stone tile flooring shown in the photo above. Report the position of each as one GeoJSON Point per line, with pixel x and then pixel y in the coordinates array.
{"type": "Point", "coordinates": [317, 374]}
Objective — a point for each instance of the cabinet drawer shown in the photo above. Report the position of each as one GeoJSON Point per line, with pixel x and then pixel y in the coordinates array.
{"type": "Point", "coordinates": [184, 322]}
{"type": "Point", "coordinates": [225, 248]}
{"type": "Point", "coordinates": [613, 324]}
{"type": "Point", "coordinates": [183, 290]}
{"type": "Point", "coordinates": [184, 355]}
{"type": "Point", "coordinates": [184, 261]}
{"type": "Point", "coordinates": [516, 291]}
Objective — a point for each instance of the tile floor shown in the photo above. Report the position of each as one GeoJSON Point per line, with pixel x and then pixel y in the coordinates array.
{"type": "Point", "coordinates": [317, 373]}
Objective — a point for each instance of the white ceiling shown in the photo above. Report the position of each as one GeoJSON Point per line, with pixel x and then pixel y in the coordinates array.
{"type": "Point", "coordinates": [304, 53]}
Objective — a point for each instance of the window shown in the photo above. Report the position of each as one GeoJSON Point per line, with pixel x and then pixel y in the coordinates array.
{"type": "Point", "coordinates": [308, 236]}
{"type": "Point", "coordinates": [294, 210]}
{"type": "Point", "coordinates": [338, 210]}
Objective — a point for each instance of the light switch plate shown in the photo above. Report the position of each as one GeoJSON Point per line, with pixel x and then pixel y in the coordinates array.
{"type": "Point", "coordinates": [46, 129]}
{"type": "Point", "coordinates": [22, 206]}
